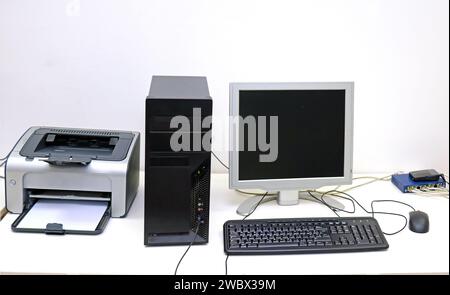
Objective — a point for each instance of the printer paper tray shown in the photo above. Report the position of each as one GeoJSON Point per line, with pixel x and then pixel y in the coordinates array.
{"type": "Point", "coordinates": [64, 217]}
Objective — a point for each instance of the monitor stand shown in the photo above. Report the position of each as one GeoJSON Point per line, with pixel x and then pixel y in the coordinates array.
{"type": "Point", "coordinates": [284, 198]}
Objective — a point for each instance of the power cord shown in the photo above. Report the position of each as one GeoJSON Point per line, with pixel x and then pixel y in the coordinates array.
{"type": "Point", "coordinates": [4, 159]}
{"type": "Point", "coordinates": [189, 247]}
{"type": "Point", "coordinates": [3, 164]}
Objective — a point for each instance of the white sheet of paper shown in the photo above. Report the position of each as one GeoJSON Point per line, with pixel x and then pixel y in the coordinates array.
{"type": "Point", "coordinates": [73, 215]}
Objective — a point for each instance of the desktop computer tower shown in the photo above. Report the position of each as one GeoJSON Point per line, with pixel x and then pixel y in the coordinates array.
{"type": "Point", "coordinates": [177, 182]}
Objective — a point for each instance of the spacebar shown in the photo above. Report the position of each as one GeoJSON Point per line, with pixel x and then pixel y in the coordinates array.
{"type": "Point", "coordinates": [279, 245]}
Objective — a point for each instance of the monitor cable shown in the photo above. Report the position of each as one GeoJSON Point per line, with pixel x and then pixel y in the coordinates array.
{"type": "Point", "coordinates": [220, 161]}
{"type": "Point", "coordinates": [238, 190]}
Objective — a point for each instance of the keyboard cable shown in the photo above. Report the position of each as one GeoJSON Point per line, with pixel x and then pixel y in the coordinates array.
{"type": "Point", "coordinates": [245, 217]}
{"type": "Point", "coordinates": [189, 247]}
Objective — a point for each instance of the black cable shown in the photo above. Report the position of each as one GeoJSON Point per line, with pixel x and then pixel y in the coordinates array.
{"type": "Point", "coordinates": [238, 190]}
{"type": "Point", "coordinates": [226, 265]}
{"type": "Point", "coordinates": [254, 194]}
{"type": "Point", "coordinates": [242, 192]}
{"type": "Point", "coordinates": [390, 213]}
{"type": "Point", "coordinates": [245, 217]}
{"type": "Point", "coordinates": [345, 198]}
{"type": "Point", "coordinates": [257, 204]}
{"type": "Point", "coordinates": [353, 200]}
{"type": "Point", "coordinates": [350, 198]}
{"type": "Point", "coordinates": [189, 247]}
{"type": "Point", "coordinates": [324, 203]}
{"type": "Point", "coordinates": [220, 161]}
{"type": "Point", "coordinates": [395, 201]}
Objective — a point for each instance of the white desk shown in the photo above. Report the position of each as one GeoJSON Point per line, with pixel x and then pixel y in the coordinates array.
{"type": "Point", "coordinates": [120, 249]}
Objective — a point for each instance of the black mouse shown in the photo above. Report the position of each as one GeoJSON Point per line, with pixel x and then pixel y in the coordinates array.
{"type": "Point", "coordinates": [419, 222]}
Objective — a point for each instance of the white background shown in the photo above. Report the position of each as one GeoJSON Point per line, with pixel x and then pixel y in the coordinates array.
{"type": "Point", "coordinates": [80, 63]}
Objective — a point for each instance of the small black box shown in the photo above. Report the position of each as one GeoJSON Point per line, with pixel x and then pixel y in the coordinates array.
{"type": "Point", "coordinates": [425, 175]}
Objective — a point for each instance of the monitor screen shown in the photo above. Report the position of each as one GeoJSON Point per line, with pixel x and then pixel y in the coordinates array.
{"type": "Point", "coordinates": [311, 133]}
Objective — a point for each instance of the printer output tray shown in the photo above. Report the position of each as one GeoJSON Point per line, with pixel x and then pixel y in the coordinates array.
{"type": "Point", "coordinates": [64, 217]}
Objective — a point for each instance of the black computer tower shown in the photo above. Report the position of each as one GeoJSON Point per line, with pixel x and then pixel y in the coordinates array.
{"type": "Point", "coordinates": [177, 182]}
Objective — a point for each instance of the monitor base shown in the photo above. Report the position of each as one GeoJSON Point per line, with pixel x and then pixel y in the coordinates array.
{"type": "Point", "coordinates": [283, 199]}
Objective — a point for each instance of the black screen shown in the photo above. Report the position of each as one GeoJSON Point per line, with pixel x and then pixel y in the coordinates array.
{"type": "Point", "coordinates": [311, 133]}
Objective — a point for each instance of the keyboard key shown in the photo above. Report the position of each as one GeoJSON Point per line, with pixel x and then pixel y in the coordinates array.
{"type": "Point", "coordinates": [323, 239]}
{"type": "Point", "coordinates": [279, 245]}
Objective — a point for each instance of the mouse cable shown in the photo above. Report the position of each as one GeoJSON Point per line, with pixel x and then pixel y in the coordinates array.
{"type": "Point", "coordinates": [189, 247]}
{"type": "Point", "coordinates": [372, 212]}
{"type": "Point", "coordinates": [390, 213]}
{"type": "Point", "coordinates": [334, 209]}
{"type": "Point", "coordinates": [245, 217]}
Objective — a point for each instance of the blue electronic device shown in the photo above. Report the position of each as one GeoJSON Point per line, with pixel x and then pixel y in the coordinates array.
{"type": "Point", "coordinates": [406, 185]}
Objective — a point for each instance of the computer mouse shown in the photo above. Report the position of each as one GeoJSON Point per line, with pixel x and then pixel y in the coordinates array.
{"type": "Point", "coordinates": [419, 222]}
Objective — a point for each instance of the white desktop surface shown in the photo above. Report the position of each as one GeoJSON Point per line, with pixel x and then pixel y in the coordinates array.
{"type": "Point", "coordinates": [120, 248]}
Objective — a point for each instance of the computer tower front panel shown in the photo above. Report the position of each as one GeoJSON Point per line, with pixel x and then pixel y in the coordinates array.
{"type": "Point", "coordinates": [177, 183]}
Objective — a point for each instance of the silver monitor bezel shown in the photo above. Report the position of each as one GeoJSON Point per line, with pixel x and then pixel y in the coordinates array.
{"type": "Point", "coordinates": [290, 183]}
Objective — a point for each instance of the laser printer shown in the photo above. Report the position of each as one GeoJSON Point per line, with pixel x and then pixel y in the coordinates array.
{"type": "Point", "coordinates": [75, 168]}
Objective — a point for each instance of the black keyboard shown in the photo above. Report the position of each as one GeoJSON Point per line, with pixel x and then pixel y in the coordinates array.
{"type": "Point", "coordinates": [302, 235]}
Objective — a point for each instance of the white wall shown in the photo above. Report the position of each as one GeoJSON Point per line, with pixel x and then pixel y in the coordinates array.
{"type": "Point", "coordinates": [88, 63]}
